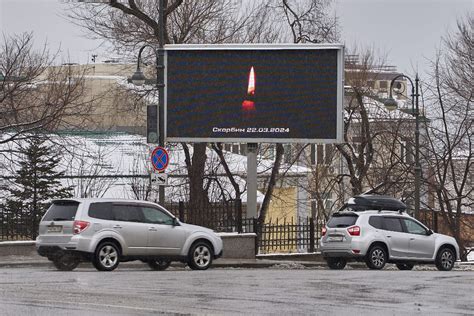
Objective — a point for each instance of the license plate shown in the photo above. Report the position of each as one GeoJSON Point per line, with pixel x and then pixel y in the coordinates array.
{"type": "Point", "coordinates": [335, 238]}
{"type": "Point", "coordinates": [55, 229]}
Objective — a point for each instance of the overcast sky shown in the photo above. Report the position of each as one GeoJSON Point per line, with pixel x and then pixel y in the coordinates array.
{"type": "Point", "coordinates": [407, 31]}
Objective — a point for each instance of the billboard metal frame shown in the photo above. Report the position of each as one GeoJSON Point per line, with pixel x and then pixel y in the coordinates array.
{"type": "Point", "coordinates": [340, 91]}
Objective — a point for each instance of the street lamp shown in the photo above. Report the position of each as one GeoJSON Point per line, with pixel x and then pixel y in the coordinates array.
{"type": "Point", "coordinates": [391, 104]}
{"type": "Point", "coordinates": [139, 78]}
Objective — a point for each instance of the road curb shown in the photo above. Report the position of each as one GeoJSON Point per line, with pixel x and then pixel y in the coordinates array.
{"type": "Point", "coordinates": [235, 265]}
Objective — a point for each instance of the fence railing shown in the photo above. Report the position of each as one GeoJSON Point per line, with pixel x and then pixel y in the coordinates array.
{"type": "Point", "coordinates": [301, 235]}
{"type": "Point", "coordinates": [17, 225]}
{"type": "Point", "coordinates": [275, 235]}
{"type": "Point", "coordinates": [221, 216]}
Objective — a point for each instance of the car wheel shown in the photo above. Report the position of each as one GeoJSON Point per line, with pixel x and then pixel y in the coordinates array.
{"type": "Point", "coordinates": [405, 266]}
{"type": "Point", "coordinates": [66, 262]}
{"type": "Point", "coordinates": [336, 263]}
{"type": "Point", "coordinates": [106, 256]}
{"type": "Point", "coordinates": [445, 259]}
{"type": "Point", "coordinates": [200, 256]}
{"type": "Point", "coordinates": [159, 264]}
{"type": "Point", "coordinates": [376, 258]}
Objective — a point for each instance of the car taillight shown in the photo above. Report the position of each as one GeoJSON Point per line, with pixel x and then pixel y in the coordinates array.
{"type": "Point", "coordinates": [80, 226]}
{"type": "Point", "coordinates": [354, 231]}
{"type": "Point", "coordinates": [323, 231]}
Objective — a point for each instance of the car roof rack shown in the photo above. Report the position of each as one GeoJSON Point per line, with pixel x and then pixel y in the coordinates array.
{"type": "Point", "coordinates": [380, 203]}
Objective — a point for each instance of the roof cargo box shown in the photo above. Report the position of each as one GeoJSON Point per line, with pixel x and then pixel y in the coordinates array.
{"type": "Point", "coordinates": [376, 202]}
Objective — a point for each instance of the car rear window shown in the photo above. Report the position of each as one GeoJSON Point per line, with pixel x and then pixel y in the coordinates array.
{"type": "Point", "coordinates": [61, 211]}
{"type": "Point", "coordinates": [101, 211]}
{"type": "Point", "coordinates": [345, 220]}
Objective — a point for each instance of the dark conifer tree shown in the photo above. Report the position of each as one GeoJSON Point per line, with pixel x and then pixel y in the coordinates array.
{"type": "Point", "coordinates": [36, 184]}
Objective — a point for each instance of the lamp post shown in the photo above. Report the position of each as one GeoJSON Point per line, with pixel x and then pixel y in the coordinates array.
{"type": "Point", "coordinates": [139, 78]}
{"type": "Point", "coordinates": [391, 104]}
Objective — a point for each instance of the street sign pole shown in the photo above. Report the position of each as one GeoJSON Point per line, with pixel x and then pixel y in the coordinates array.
{"type": "Point", "coordinates": [252, 180]}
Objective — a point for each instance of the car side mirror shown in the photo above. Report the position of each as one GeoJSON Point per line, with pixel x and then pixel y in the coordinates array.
{"type": "Point", "coordinates": [429, 232]}
{"type": "Point", "coordinates": [175, 222]}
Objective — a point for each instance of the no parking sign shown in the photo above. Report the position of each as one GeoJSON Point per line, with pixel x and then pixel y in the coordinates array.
{"type": "Point", "coordinates": [160, 159]}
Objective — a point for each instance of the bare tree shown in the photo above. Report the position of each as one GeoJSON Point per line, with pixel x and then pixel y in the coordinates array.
{"type": "Point", "coordinates": [372, 137]}
{"type": "Point", "coordinates": [35, 96]}
{"type": "Point", "coordinates": [89, 167]}
{"type": "Point", "coordinates": [130, 24]}
{"type": "Point", "coordinates": [450, 134]}
{"type": "Point", "coordinates": [309, 21]}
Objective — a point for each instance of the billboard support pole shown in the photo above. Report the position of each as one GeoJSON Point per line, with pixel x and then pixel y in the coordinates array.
{"type": "Point", "coordinates": [252, 180]}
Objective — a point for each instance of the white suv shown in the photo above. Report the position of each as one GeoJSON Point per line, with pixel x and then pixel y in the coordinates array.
{"type": "Point", "coordinates": [375, 229]}
{"type": "Point", "coordinates": [107, 231]}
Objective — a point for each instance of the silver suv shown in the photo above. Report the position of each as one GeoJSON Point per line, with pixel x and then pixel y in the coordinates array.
{"type": "Point", "coordinates": [107, 231]}
{"type": "Point", "coordinates": [375, 229]}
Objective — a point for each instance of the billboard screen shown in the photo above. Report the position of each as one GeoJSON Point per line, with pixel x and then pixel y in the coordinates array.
{"type": "Point", "coordinates": [254, 93]}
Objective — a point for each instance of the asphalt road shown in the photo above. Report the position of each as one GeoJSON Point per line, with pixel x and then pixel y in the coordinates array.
{"type": "Point", "coordinates": [138, 291]}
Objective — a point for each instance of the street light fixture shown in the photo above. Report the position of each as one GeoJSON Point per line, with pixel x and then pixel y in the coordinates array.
{"type": "Point", "coordinates": [391, 104]}
{"type": "Point", "coordinates": [138, 78]}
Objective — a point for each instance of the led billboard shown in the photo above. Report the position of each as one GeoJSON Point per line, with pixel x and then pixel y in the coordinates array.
{"type": "Point", "coordinates": [254, 93]}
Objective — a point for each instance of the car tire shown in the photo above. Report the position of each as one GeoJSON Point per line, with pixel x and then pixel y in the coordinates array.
{"type": "Point", "coordinates": [159, 264]}
{"type": "Point", "coordinates": [200, 256]}
{"type": "Point", "coordinates": [336, 263]}
{"type": "Point", "coordinates": [106, 256]}
{"type": "Point", "coordinates": [66, 262]}
{"type": "Point", "coordinates": [445, 259]}
{"type": "Point", "coordinates": [376, 258]}
{"type": "Point", "coordinates": [405, 266]}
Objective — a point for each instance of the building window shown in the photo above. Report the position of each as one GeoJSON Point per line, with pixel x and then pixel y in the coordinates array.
{"type": "Point", "coordinates": [268, 152]}
{"type": "Point", "coordinates": [287, 154]}
{"type": "Point", "coordinates": [383, 85]}
{"type": "Point", "coordinates": [329, 153]}
{"type": "Point", "coordinates": [322, 154]}
{"type": "Point", "coordinates": [235, 148]}
{"type": "Point", "coordinates": [243, 149]}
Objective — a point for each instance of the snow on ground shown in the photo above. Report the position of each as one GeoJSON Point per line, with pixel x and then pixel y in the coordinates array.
{"type": "Point", "coordinates": [470, 257]}
{"type": "Point", "coordinates": [124, 155]}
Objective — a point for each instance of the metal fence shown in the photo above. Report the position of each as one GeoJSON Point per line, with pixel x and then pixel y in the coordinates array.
{"type": "Point", "coordinates": [17, 225]}
{"type": "Point", "coordinates": [283, 236]}
{"type": "Point", "coordinates": [220, 216]}
{"type": "Point", "coordinates": [274, 236]}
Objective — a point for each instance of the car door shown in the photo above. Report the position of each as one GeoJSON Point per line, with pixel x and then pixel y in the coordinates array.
{"type": "Point", "coordinates": [421, 242]}
{"type": "Point", "coordinates": [164, 238]}
{"type": "Point", "coordinates": [130, 224]}
{"type": "Point", "coordinates": [397, 240]}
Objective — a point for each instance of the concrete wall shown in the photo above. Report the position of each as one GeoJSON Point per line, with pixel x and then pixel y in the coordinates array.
{"type": "Point", "coordinates": [238, 246]}
{"type": "Point", "coordinates": [18, 248]}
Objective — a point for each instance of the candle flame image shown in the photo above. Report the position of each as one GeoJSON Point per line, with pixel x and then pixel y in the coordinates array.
{"type": "Point", "coordinates": [251, 88]}
{"type": "Point", "coordinates": [249, 104]}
